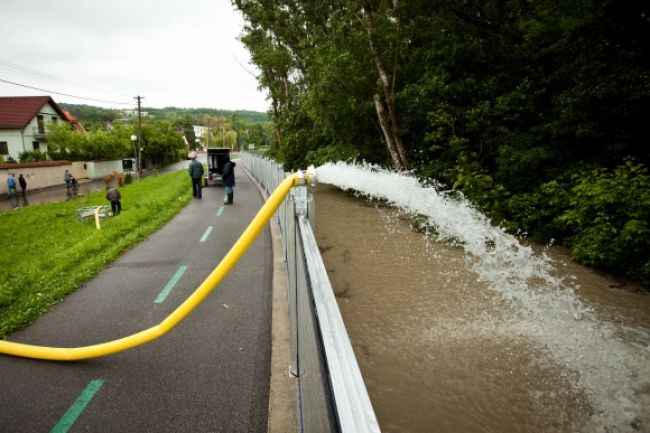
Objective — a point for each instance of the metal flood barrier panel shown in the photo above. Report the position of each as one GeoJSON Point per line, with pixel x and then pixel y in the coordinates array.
{"type": "Point", "coordinates": [331, 394]}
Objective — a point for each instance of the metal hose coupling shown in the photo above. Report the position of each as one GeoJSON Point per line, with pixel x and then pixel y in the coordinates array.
{"type": "Point", "coordinates": [308, 178]}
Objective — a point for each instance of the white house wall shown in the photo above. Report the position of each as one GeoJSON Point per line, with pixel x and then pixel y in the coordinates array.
{"type": "Point", "coordinates": [20, 141]}
{"type": "Point", "coordinates": [14, 141]}
{"type": "Point", "coordinates": [97, 169]}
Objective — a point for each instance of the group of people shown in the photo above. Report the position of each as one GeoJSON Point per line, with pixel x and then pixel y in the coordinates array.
{"type": "Point", "coordinates": [195, 170]}
{"type": "Point", "coordinates": [113, 193]}
{"type": "Point", "coordinates": [11, 185]}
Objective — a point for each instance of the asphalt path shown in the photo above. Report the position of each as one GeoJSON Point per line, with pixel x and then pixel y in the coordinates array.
{"type": "Point", "coordinates": [209, 374]}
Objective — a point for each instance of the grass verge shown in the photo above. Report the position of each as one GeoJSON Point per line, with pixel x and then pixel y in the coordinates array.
{"type": "Point", "coordinates": [48, 253]}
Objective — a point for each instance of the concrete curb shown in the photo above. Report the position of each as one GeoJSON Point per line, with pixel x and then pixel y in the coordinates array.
{"type": "Point", "coordinates": [282, 416]}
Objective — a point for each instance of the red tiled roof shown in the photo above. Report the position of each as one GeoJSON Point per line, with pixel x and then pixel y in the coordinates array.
{"type": "Point", "coordinates": [76, 124]}
{"type": "Point", "coordinates": [18, 111]}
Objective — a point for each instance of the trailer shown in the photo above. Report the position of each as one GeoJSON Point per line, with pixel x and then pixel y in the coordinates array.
{"type": "Point", "coordinates": [216, 160]}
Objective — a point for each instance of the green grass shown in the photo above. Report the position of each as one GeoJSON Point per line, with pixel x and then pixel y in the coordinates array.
{"type": "Point", "coordinates": [48, 253]}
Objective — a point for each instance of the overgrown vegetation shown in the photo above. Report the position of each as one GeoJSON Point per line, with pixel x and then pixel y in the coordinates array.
{"type": "Point", "coordinates": [535, 110]}
{"type": "Point", "coordinates": [48, 252]}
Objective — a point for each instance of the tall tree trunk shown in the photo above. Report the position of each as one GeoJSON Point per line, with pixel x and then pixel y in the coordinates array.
{"type": "Point", "coordinates": [385, 106]}
{"type": "Point", "coordinates": [384, 123]}
{"type": "Point", "coordinates": [276, 124]}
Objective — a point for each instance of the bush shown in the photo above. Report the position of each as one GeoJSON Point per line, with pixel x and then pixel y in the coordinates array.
{"type": "Point", "coordinates": [32, 156]}
{"type": "Point", "coordinates": [609, 215]}
{"type": "Point", "coordinates": [602, 215]}
{"type": "Point", "coordinates": [536, 213]}
{"type": "Point", "coordinates": [331, 153]}
{"type": "Point", "coordinates": [119, 177]}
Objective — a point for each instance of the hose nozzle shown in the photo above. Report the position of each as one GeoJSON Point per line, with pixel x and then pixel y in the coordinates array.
{"type": "Point", "coordinates": [308, 177]}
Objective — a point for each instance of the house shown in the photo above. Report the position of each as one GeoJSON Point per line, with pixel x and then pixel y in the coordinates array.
{"type": "Point", "coordinates": [23, 123]}
{"type": "Point", "coordinates": [202, 134]}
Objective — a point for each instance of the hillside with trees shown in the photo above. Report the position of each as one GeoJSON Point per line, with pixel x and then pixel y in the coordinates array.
{"type": "Point", "coordinates": [95, 115]}
{"type": "Point", "coordinates": [166, 133]}
{"type": "Point", "coordinates": [536, 111]}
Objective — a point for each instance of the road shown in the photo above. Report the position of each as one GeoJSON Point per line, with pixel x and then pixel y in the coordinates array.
{"type": "Point", "coordinates": [209, 374]}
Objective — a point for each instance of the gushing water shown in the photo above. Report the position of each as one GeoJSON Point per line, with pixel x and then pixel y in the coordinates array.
{"type": "Point", "coordinates": [612, 371]}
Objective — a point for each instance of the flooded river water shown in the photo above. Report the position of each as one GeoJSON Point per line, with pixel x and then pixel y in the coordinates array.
{"type": "Point", "coordinates": [468, 330]}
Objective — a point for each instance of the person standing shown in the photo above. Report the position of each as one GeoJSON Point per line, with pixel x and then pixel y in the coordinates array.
{"type": "Point", "coordinates": [228, 178]}
{"type": "Point", "coordinates": [23, 184]}
{"type": "Point", "coordinates": [11, 186]}
{"type": "Point", "coordinates": [67, 177]}
{"type": "Point", "coordinates": [195, 170]}
{"type": "Point", "coordinates": [113, 195]}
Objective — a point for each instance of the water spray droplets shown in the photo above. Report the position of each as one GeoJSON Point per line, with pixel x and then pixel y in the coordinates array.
{"type": "Point", "coordinates": [548, 311]}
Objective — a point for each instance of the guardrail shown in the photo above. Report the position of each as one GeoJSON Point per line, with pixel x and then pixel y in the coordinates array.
{"type": "Point", "coordinates": [331, 394]}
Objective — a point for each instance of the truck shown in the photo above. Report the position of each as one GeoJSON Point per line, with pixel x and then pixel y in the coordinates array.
{"type": "Point", "coordinates": [216, 160]}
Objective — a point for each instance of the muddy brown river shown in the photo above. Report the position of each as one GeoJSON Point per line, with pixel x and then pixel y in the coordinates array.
{"type": "Point", "coordinates": [450, 338]}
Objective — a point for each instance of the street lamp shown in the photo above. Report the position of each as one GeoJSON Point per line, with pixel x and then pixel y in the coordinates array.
{"type": "Point", "coordinates": [134, 139]}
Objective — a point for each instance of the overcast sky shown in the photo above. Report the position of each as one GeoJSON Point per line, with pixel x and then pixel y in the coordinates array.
{"type": "Point", "coordinates": [183, 53]}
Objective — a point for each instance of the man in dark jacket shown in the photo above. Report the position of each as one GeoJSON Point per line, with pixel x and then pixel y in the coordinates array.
{"type": "Point", "coordinates": [196, 173]}
{"type": "Point", "coordinates": [23, 184]}
{"type": "Point", "coordinates": [113, 195]}
{"type": "Point", "coordinates": [228, 178]}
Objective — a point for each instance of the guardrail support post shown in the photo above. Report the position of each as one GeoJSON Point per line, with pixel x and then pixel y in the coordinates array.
{"type": "Point", "coordinates": [291, 231]}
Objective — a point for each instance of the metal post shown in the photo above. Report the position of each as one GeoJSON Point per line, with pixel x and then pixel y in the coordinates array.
{"type": "Point", "coordinates": [138, 156]}
{"type": "Point", "coordinates": [290, 234]}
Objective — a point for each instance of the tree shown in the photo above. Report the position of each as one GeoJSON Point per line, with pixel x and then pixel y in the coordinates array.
{"type": "Point", "coordinates": [162, 143]}
{"type": "Point", "coordinates": [510, 101]}
{"type": "Point", "coordinates": [186, 125]}
{"type": "Point", "coordinates": [386, 15]}
{"type": "Point", "coordinates": [64, 142]}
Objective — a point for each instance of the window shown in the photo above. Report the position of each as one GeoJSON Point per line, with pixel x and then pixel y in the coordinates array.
{"type": "Point", "coordinates": [4, 148]}
{"type": "Point", "coordinates": [36, 145]}
{"type": "Point", "coordinates": [41, 124]}
{"type": "Point", "coordinates": [54, 119]}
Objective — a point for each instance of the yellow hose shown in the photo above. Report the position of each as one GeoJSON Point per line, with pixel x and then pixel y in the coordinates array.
{"type": "Point", "coordinates": [183, 310]}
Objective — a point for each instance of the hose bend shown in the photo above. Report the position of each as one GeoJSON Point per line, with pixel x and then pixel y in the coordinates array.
{"type": "Point", "coordinates": [185, 309]}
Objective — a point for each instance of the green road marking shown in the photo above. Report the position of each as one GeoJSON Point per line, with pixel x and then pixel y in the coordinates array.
{"type": "Point", "coordinates": [69, 418]}
{"type": "Point", "coordinates": [170, 285]}
{"type": "Point", "coordinates": [206, 234]}
{"type": "Point", "coordinates": [220, 211]}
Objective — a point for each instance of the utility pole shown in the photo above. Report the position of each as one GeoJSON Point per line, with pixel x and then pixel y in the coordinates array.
{"type": "Point", "coordinates": [138, 161]}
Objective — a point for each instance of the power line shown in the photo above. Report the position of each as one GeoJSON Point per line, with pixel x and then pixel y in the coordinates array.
{"type": "Point", "coordinates": [23, 70]}
{"type": "Point", "coordinates": [64, 94]}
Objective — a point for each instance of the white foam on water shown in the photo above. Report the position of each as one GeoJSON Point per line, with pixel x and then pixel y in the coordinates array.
{"type": "Point", "coordinates": [612, 373]}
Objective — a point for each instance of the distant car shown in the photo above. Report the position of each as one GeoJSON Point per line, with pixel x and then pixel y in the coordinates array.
{"type": "Point", "coordinates": [216, 160]}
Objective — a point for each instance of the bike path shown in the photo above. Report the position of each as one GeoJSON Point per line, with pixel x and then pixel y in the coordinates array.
{"type": "Point", "coordinates": [209, 374]}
